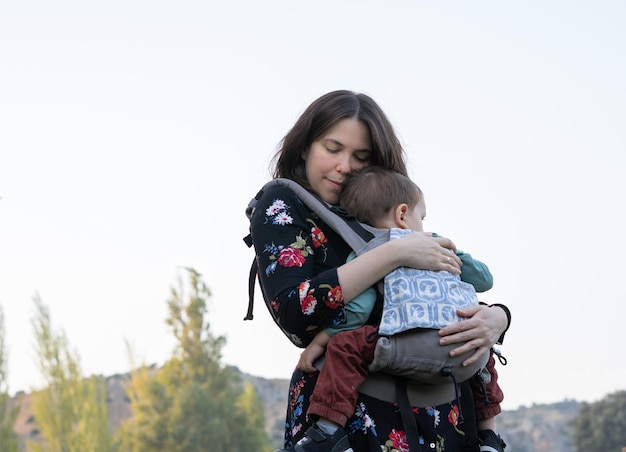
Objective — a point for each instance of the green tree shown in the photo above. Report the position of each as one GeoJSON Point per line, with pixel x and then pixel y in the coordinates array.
{"type": "Point", "coordinates": [71, 411]}
{"type": "Point", "coordinates": [192, 403]}
{"type": "Point", "coordinates": [8, 414]}
{"type": "Point", "coordinates": [249, 409]}
{"type": "Point", "coordinates": [601, 425]}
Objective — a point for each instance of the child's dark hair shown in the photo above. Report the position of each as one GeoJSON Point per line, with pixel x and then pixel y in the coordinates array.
{"type": "Point", "coordinates": [369, 194]}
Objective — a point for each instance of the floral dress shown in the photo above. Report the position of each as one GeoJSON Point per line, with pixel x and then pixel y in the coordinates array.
{"type": "Point", "coordinates": [298, 256]}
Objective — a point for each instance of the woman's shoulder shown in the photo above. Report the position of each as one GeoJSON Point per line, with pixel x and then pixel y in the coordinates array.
{"type": "Point", "coordinates": [281, 188]}
{"type": "Point", "coordinates": [280, 202]}
{"type": "Point", "coordinates": [279, 196]}
{"type": "Point", "coordinates": [273, 188]}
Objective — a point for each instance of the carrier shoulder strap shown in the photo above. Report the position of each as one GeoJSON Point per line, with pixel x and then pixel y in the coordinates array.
{"type": "Point", "coordinates": [411, 429]}
{"type": "Point", "coordinates": [472, 442]}
{"type": "Point", "coordinates": [356, 234]}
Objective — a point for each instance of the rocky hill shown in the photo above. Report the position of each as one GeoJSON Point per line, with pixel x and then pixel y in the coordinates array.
{"type": "Point", "coordinates": [537, 428]}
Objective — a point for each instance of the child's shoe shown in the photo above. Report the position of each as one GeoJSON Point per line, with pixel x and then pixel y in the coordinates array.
{"type": "Point", "coordinates": [316, 440]}
{"type": "Point", "coordinates": [490, 441]}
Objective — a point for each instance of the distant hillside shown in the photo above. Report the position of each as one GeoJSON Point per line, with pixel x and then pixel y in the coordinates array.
{"type": "Point", "coordinates": [273, 394]}
{"type": "Point", "coordinates": [538, 428]}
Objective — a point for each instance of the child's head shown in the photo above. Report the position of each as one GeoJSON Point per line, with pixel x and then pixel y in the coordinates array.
{"type": "Point", "coordinates": [384, 199]}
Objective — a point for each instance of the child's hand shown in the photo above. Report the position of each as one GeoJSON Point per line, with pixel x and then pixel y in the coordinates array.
{"type": "Point", "coordinates": [308, 356]}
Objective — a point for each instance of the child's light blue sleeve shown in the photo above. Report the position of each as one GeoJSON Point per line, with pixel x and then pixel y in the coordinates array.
{"type": "Point", "coordinates": [357, 311]}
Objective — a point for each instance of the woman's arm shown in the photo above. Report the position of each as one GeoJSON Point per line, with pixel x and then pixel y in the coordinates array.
{"type": "Point", "coordinates": [298, 258]}
{"type": "Point", "coordinates": [417, 250]}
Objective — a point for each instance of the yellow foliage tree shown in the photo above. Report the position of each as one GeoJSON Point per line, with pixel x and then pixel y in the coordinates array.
{"type": "Point", "coordinates": [192, 403]}
{"type": "Point", "coordinates": [8, 414]}
{"type": "Point", "coordinates": [70, 412]}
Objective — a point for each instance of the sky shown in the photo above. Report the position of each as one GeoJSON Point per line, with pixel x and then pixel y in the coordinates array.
{"type": "Point", "coordinates": [133, 134]}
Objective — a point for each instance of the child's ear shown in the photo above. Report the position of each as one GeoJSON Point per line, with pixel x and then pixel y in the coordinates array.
{"type": "Point", "coordinates": [400, 214]}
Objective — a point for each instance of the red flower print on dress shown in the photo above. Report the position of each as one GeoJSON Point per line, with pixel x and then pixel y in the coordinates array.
{"type": "Point", "coordinates": [453, 415]}
{"type": "Point", "coordinates": [307, 300]}
{"type": "Point", "coordinates": [398, 441]}
{"type": "Point", "coordinates": [335, 297]}
{"type": "Point", "coordinates": [289, 257]}
{"type": "Point", "coordinates": [318, 237]}
{"type": "Point", "coordinates": [303, 288]}
{"type": "Point", "coordinates": [307, 304]}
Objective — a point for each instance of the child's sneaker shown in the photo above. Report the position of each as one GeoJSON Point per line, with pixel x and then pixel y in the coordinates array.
{"type": "Point", "coordinates": [491, 441]}
{"type": "Point", "coordinates": [315, 440]}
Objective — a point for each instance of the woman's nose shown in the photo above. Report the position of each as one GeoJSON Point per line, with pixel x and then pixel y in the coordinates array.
{"type": "Point", "coordinates": [343, 165]}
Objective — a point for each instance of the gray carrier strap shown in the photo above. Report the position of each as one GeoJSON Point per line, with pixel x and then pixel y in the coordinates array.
{"type": "Point", "coordinates": [360, 237]}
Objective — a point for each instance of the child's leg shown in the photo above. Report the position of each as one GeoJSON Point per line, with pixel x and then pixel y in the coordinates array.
{"type": "Point", "coordinates": [487, 398]}
{"type": "Point", "coordinates": [345, 368]}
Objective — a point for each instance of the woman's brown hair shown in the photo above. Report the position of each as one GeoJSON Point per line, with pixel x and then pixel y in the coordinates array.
{"type": "Point", "coordinates": [324, 113]}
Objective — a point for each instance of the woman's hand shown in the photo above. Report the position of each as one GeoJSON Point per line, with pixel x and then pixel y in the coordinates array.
{"type": "Point", "coordinates": [480, 331]}
{"type": "Point", "coordinates": [426, 252]}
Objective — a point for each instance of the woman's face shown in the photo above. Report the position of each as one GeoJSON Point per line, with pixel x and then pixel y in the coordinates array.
{"type": "Point", "coordinates": [346, 147]}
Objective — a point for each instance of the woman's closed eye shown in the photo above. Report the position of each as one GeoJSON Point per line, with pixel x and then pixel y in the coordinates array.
{"type": "Point", "coordinates": [363, 157]}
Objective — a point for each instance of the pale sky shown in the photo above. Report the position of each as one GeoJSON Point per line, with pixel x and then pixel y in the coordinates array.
{"type": "Point", "coordinates": [133, 133]}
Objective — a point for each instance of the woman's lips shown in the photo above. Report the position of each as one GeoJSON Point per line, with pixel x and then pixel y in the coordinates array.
{"type": "Point", "coordinates": [336, 185]}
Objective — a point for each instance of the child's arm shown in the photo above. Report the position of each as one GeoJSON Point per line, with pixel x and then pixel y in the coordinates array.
{"type": "Point", "coordinates": [356, 312]}
{"type": "Point", "coordinates": [475, 272]}
{"type": "Point", "coordinates": [313, 351]}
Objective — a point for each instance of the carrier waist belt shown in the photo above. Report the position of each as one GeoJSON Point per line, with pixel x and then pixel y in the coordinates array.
{"type": "Point", "coordinates": [383, 386]}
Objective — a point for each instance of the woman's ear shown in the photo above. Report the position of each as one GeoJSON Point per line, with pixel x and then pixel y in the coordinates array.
{"type": "Point", "coordinates": [400, 214]}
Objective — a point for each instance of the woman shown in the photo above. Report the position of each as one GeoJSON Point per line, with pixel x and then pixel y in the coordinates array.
{"type": "Point", "coordinates": [303, 267]}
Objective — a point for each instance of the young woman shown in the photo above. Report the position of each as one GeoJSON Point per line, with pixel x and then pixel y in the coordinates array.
{"type": "Point", "coordinates": [303, 270]}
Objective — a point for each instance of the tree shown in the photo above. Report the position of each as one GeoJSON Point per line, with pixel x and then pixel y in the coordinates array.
{"type": "Point", "coordinates": [601, 425]}
{"type": "Point", "coordinates": [249, 409]}
{"type": "Point", "coordinates": [192, 403]}
{"type": "Point", "coordinates": [8, 413]}
{"type": "Point", "coordinates": [71, 411]}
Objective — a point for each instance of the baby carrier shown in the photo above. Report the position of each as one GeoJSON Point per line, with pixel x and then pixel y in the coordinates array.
{"type": "Point", "coordinates": [411, 367]}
